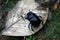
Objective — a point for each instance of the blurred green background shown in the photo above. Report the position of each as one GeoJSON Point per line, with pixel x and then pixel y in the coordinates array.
{"type": "Point", "coordinates": [50, 31]}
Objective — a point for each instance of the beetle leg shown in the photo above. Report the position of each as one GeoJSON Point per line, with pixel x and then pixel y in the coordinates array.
{"type": "Point", "coordinates": [39, 16]}
{"type": "Point", "coordinates": [42, 22]}
{"type": "Point", "coordinates": [30, 27]}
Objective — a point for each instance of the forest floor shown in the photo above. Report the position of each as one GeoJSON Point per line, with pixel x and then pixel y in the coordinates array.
{"type": "Point", "coordinates": [50, 31]}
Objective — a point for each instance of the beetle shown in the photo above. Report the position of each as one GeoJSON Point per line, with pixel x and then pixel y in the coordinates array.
{"type": "Point", "coordinates": [34, 20]}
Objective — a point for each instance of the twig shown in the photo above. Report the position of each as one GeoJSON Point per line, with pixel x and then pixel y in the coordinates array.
{"type": "Point", "coordinates": [24, 38]}
{"type": "Point", "coordinates": [11, 25]}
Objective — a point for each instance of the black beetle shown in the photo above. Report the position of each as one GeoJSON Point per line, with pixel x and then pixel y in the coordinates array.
{"type": "Point", "coordinates": [34, 20]}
